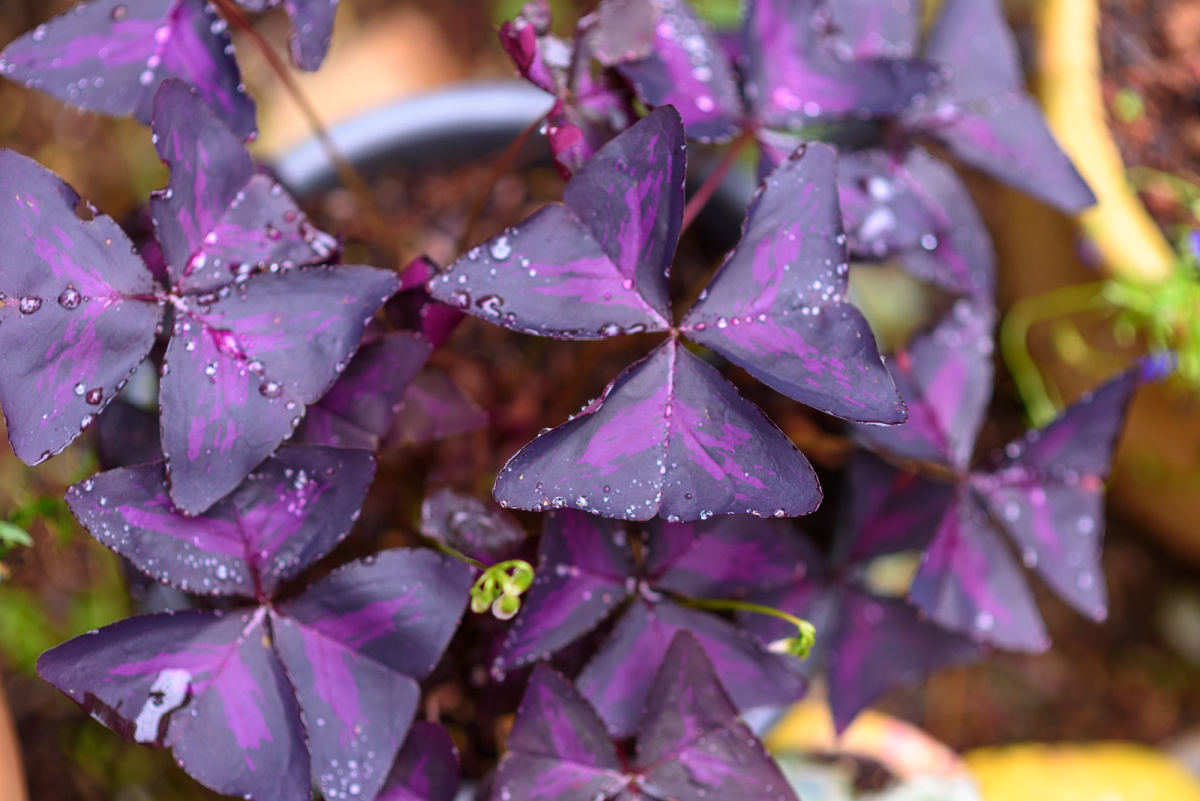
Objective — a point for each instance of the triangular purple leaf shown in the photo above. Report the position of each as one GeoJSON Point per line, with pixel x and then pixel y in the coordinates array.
{"type": "Point", "coordinates": [584, 572]}
{"type": "Point", "coordinates": [79, 311]}
{"type": "Point", "coordinates": [1048, 493]}
{"type": "Point", "coordinates": [721, 558]}
{"type": "Point", "coordinates": [111, 56]}
{"type": "Point", "coordinates": [218, 220]}
{"type": "Point", "coordinates": [238, 372]}
{"type": "Point", "coordinates": [693, 746]}
{"type": "Point", "coordinates": [286, 515]}
{"type": "Point", "coordinates": [969, 582]}
{"type": "Point", "coordinates": [795, 76]}
{"type": "Point", "coordinates": [426, 769]}
{"type": "Point", "coordinates": [433, 408]}
{"type": "Point", "coordinates": [558, 749]}
{"type": "Point", "coordinates": [776, 307]}
{"type": "Point", "coordinates": [595, 266]}
{"type": "Point", "coordinates": [996, 126]}
{"type": "Point", "coordinates": [312, 30]}
{"type": "Point", "coordinates": [206, 685]}
{"type": "Point", "coordinates": [479, 529]}
{"type": "Point", "coordinates": [687, 68]}
{"type": "Point", "coordinates": [362, 406]}
{"type": "Point", "coordinates": [919, 211]}
{"type": "Point", "coordinates": [618, 679]}
{"type": "Point", "coordinates": [670, 436]}
{"type": "Point", "coordinates": [946, 377]}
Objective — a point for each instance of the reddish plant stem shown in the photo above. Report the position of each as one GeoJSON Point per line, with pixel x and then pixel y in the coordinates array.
{"type": "Point", "coordinates": [346, 172]}
{"type": "Point", "coordinates": [502, 165]}
{"type": "Point", "coordinates": [714, 179]}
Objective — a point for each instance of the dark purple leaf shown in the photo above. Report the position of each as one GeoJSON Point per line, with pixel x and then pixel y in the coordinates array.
{"type": "Point", "coordinates": [886, 28]}
{"type": "Point", "coordinates": [1048, 493]}
{"type": "Point", "coordinates": [692, 745]}
{"type": "Point", "coordinates": [79, 311]}
{"type": "Point", "coordinates": [596, 266]}
{"type": "Point", "coordinates": [618, 679]}
{"type": "Point", "coordinates": [887, 510]}
{"type": "Point", "coordinates": [426, 769]}
{"type": "Point", "coordinates": [356, 710]}
{"type": "Point", "coordinates": [111, 56]}
{"type": "Point", "coordinates": [584, 572]}
{"type": "Point", "coordinates": [994, 124]}
{"type": "Point", "coordinates": [776, 306]}
{"type": "Point", "coordinates": [795, 76]}
{"type": "Point", "coordinates": [286, 515]}
{"type": "Point", "coordinates": [238, 373]}
{"type": "Point", "coordinates": [127, 435]}
{"type": "Point", "coordinates": [670, 437]}
{"type": "Point", "coordinates": [312, 30]}
{"type": "Point", "coordinates": [558, 749]}
{"type": "Point", "coordinates": [721, 558]}
{"type": "Point", "coordinates": [361, 407]}
{"type": "Point", "coordinates": [945, 375]}
{"type": "Point", "coordinates": [218, 220]}
{"type": "Point", "coordinates": [433, 408]}
{"type": "Point", "coordinates": [919, 211]}
{"type": "Point", "coordinates": [687, 68]}
{"type": "Point", "coordinates": [204, 684]}
{"type": "Point", "coordinates": [969, 582]}
{"type": "Point", "coordinates": [479, 529]}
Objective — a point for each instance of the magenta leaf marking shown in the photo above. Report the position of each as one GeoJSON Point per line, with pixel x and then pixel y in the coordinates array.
{"type": "Point", "coordinates": [692, 744]}
{"type": "Point", "coordinates": [218, 220]}
{"type": "Point", "coordinates": [1047, 493]}
{"type": "Point", "coordinates": [669, 437]}
{"type": "Point", "coordinates": [360, 409]}
{"type": "Point", "coordinates": [687, 68]}
{"type": "Point", "coordinates": [78, 311]}
{"type": "Point", "coordinates": [584, 572]}
{"type": "Point", "coordinates": [110, 56]}
{"type": "Point", "coordinates": [919, 211]}
{"type": "Point", "coordinates": [204, 684]}
{"type": "Point", "coordinates": [776, 306]}
{"type": "Point", "coordinates": [433, 408]}
{"type": "Point", "coordinates": [286, 515]}
{"type": "Point", "coordinates": [426, 769]}
{"type": "Point", "coordinates": [595, 266]}
{"type": "Point", "coordinates": [239, 371]}
{"type": "Point", "coordinates": [988, 119]}
{"type": "Point", "coordinates": [945, 375]}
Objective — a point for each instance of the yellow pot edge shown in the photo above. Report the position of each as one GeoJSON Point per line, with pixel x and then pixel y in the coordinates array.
{"type": "Point", "coordinates": [1069, 85]}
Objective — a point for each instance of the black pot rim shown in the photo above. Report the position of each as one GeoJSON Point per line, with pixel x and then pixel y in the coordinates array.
{"type": "Point", "coordinates": [448, 120]}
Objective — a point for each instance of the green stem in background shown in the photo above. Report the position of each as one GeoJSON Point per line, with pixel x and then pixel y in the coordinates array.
{"type": "Point", "coordinates": [457, 554]}
{"type": "Point", "coordinates": [709, 188]}
{"type": "Point", "coordinates": [799, 646]}
{"type": "Point", "coordinates": [1014, 344]}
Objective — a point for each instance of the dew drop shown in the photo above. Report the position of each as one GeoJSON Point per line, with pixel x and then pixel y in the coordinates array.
{"type": "Point", "coordinates": [271, 389]}
{"type": "Point", "coordinates": [95, 396]}
{"type": "Point", "coordinates": [70, 298]}
{"type": "Point", "coordinates": [501, 249]}
{"type": "Point", "coordinates": [29, 304]}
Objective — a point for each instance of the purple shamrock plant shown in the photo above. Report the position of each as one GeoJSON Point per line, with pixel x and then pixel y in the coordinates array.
{"type": "Point", "coordinates": [670, 436]}
{"type": "Point", "coordinates": [111, 56]}
{"type": "Point", "coordinates": [868, 643]}
{"type": "Point", "coordinates": [690, 742]}
{"type": "Point", "coordinates": [263, 700]}
{"type": "Point", "coordinates": [253, 336]}
{"type": "Point", "coordinates": [1044, 491]}
{"type": "Point", "coordinates": [587, 572]}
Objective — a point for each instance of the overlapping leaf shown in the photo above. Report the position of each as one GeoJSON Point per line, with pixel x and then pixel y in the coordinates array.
{"type": "Point", "coordinates": [264, 701]}
{"type": "Point", "coordinates": [312, 27]}
{"type": "Point", "coordinates": [111, 56]}
{"type": "Point", "coordinates": [587, 571]}
{"type": "Point", "coordinates": [480, 529]}
{"type": "Point", "coordinates": [691, 743]}
{"type": "Point", "coordinates": [866, 643]}
{"type": "Point", "coordinates": [669, 436]}
{"type": "Point", "coordinates": [426, 769]}
{"type": "Point", "coordinates": [245, 355]}
{"type": "Point", "coordinates": [920, 212]}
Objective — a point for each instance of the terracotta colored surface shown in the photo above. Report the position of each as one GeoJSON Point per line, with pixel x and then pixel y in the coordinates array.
{"type": "Point", "coordinates": [12, 776]}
